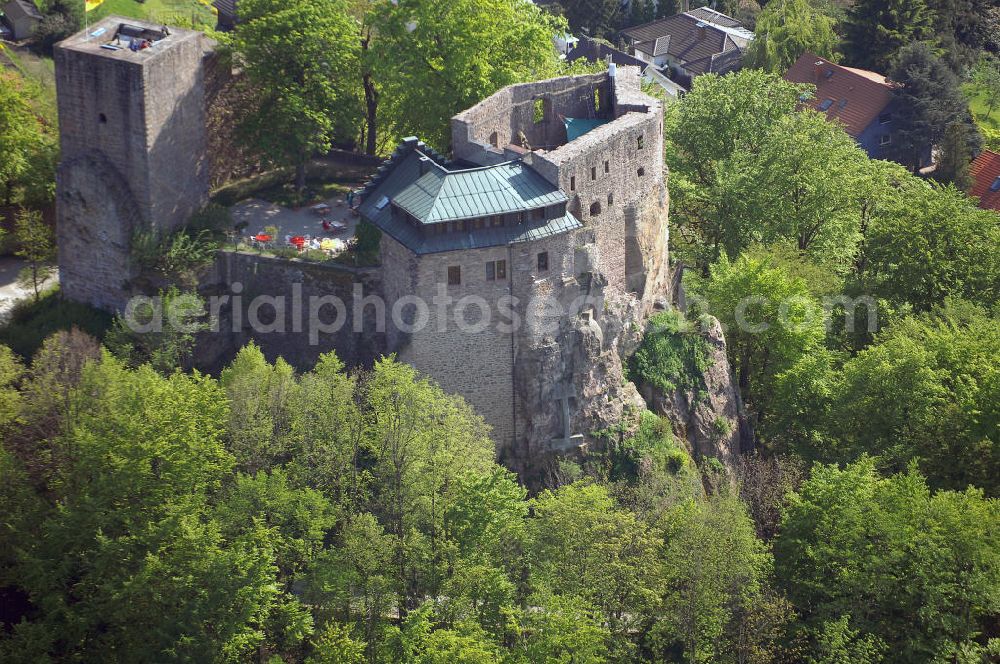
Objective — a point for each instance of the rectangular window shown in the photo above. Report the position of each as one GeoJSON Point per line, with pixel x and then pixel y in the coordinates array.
{"type": "Point", "coordinates": [538, 111]}
{"type": "Point", "coordinates": [885, 118]}
{"type": "Point", "coordinates": [884, 139]}
{"type": "Point", "coordinates": [607, 166]}
{"type": "Point", "coordinates": [496, 220]}
{"type": "Point", "coordinates": [454, 275]}
{"type": "Point", "coordinates": [538, 214]}
{"type": "Point", "coordinates": [638, 142]}
{"type": "Point", "coordinates": [543, 261]}
{"type": "Point", "coordinates": [572, 183]}
{"type": "Point", "coordinates": [496, 270]}
{"type": "Point", "coordinates": [593, 172]}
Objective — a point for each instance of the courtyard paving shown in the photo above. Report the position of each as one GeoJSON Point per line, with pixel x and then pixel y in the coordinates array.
{"type": "Point", "coordinates": [259, 214]}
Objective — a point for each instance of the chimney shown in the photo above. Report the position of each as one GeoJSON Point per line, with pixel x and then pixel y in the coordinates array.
{"type": "Point", "coordinates": [425, 164]}
{"type": "Point", "coordinates": [817, 71]}
{"type": "Point", "coordinates": [701, 30]}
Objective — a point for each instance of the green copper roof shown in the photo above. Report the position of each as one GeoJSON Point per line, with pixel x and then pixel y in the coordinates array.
{"type": "Point", "coordinates": [442, 195]}
{"type": "Point", "coordinates": [577, 127]}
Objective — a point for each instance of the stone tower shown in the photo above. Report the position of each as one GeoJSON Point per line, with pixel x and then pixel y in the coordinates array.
{"type": "Point", "coordinates": [132, 132]}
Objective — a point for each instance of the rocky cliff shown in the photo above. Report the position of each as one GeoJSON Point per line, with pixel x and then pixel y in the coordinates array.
{"type": "Point", "coordinates": [700, 398]}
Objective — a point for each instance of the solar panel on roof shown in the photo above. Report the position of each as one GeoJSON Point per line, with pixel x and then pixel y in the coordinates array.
{"type": "Point", "coordinates": [827, 103]}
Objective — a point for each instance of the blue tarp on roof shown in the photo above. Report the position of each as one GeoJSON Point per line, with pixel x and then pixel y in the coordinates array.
{"type": "Point", "coordinates": [577, 127]}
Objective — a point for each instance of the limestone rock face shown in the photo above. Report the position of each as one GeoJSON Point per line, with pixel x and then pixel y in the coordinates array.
{"type": "Point", "coordinates": [571, 382]}
{"type": "Point", "coordinates": [714, 425]}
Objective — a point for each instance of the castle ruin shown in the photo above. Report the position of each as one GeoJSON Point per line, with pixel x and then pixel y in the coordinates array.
{"type": "Point", "coordinates": [551, 210]}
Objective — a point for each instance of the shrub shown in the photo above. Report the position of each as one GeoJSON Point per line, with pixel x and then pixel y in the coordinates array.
{"type": "Point", "coordinates": [368, 239]}
{"type": "Point", "coordinates": [672, 356]}
{"type": "Point", "coordinates": [31, 322]}
{"type": "Point", "coordinates": [653, 442]}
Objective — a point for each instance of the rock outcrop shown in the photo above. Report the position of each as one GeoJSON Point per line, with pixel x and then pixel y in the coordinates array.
{"type": "Point", "coordinates": [711, 420]}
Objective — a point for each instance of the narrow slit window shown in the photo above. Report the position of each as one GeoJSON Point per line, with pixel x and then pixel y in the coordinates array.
{"type": "Point", "coordinates": [543, 261]}
{"type": "Point", "coordinates": [454, 275]}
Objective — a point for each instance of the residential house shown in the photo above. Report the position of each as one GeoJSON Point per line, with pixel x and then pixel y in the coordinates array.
{"type": "Point", "coordinates": [225, 15]}
{"type": "Point", "coordinates": [22, 16]}
{"type": "Point", "coordinates": [594, 50]}
{"type": "Point", "coordinates": [985, 172]}
{"type": "Point", "coordinates": [862, 101]}
{"type": "Point", "coordinates": [689, 44]}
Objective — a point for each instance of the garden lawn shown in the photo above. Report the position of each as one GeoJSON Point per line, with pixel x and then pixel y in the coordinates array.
{"type": "Point", "coordinates": [978, 105]}
{"type": "Point", "coordinates": [197, 14]}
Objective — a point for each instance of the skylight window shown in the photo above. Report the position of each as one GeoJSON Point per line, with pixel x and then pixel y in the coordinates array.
{"type": "Point", "coordinates": [996, 185]}
{"type": "Point", "coordinates": [825, 106]}
{"type": "Point", "coordinates": [381, 203]}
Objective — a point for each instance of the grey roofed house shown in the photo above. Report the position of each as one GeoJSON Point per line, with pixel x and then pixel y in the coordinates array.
{"type": "Point", "coordinates": [22, 16]}
{"type": "Point", "coordinates": [693, 43]}
{"type": "Point", "coordinates": [226, 16]}
{"type": "Point", "coordinates": [598, 51]}
{"type": "Point", "coordinates": [430, 205]}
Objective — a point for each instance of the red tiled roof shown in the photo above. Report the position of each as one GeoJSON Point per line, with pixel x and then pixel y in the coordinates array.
{"type": "Point", "coordinates": [985, 171]}
{"type": "Point", "coordinates": [857, 96]}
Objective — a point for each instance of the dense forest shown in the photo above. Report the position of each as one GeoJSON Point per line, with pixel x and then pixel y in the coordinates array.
{"type": "Point", "coordinates": [151, 514]}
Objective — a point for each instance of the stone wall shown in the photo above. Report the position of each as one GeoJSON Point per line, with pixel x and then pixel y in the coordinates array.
{"type": "Point", "coordinates": [465, 343]}
{"type": "Point", "coordinates": [283, 295]}
{"type": "Point", "coordinates": [480, 134]}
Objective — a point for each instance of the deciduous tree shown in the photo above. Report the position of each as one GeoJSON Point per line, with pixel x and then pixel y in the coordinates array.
{"type": "Point", "coordinates": [913, 569]}
{"type": "Point", "coordinates": [786, 29]}
{"type": "Point", "coordinates": [301, 57]}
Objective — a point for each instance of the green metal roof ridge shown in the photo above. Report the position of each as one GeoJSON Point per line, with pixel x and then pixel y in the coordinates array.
{"type": "Point", "coordinates": [500, 192]}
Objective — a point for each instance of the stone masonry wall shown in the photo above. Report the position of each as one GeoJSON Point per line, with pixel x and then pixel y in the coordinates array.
{"type": "Point", "coordinates": [475, 362]}
{"type": "Point", "coordinates": [132, 136]}
{"type": "Point", "coordinates": [287, 292]}
{"type": "Point", "coordinates": [481, 133]}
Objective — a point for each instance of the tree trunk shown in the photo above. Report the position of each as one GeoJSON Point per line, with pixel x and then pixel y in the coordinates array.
{"type": "Point", "coordinates": [300, 176]}
{"type": "Point", "coordinates": [371, 114]}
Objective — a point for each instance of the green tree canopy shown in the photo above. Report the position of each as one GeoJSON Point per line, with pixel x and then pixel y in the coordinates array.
{"type": "Point", "coordinates": [786, 29]}
{"type": "Point", "coordinates": [915, 570]}
{"type": "Point", "coordinates": [300, 57]}
{"type": "Point", "coordinates": [926, 392]}
{"type": "Point", "coordinates": [433, 59]}
{"type": "Point", "coordinates": [928, 101]}
{"type": "Point", "coordinates": [877, 29]}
